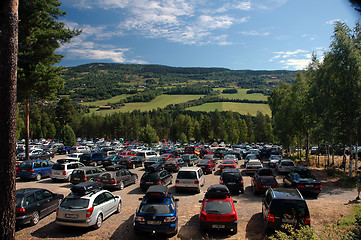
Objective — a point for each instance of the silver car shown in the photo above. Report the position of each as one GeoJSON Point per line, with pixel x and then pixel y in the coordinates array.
{"type": "Point", "coordinates": [285, 166]}
{"type": "Point", "coordinates": [62, 171]}
{"type": "Point", "coordinates": [88, 206]}
{"type": "Point", "coordinates": [189, 178]}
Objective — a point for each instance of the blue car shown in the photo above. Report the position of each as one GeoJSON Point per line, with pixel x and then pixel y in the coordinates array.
{"type": "Point", "coordinates": [158, 212]}
{"type": "Point", "coordinates": [34, 169]}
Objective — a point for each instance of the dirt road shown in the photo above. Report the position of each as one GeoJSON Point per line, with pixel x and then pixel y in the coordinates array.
{"type": "Point", "coordinates": [331, 204]}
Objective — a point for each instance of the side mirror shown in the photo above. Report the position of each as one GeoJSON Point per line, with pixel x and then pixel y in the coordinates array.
{"type": "Point", "coordinates": [140, 199]}
{"type": "Point", "coordinates": [235, 201]}
{"type": "Point", "coordinates": [200, 201]}
{"type": "Point", "coordinates": [176, 200]}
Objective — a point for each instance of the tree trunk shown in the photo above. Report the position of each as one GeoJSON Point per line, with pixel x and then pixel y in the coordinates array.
{"type": "Point", "coordinates": [8, 78]}
{"type": "Point", "coordinates": [356, 157]}
{"type": "Point", "coordinates": [27, 129]}
{"type": "Point", "coordinates": [307, 148]}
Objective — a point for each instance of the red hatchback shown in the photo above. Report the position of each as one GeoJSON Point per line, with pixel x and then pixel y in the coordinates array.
{"type": "Point", "coordinates": [218, 211]}
{"type": "Point", "coordinates": [207, 166]}
{"type": "Point", "coordinates": [227, 164]}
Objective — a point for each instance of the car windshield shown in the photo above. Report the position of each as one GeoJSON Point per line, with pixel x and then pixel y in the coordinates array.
{"type": "Point", "coordinates": [155, 209]}
{"type": "Point", "coordinates": [187, 175]}
{"type": "Point", "coordinates": [78, 172]}
{"type": "Point", "coordinates": [218, 207]}
{"type": "Point", "coordinates": [229, 176]}
{"type": "Point", "coordinates": [203, 162]}
{"type": "Point", "coordinates": [74, 203]}
{"type": "Point", "coordinates": [58, 167]}
{"type": "Point", "coordinates": [150, 176]}
{"type": "Point", "coordinates": [287, 163]}
{"type": "Point", "coordinates": [208, 157]}
{"type": "Point", "coordinates": [171, 161]}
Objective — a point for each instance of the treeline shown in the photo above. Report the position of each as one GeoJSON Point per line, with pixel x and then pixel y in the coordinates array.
{"type": "Point", "coordinates": [323, 105]}
{"type": "Point", "coordinates": [179, 125]}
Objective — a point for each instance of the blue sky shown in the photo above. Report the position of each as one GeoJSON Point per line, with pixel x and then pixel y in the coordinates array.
{"type": "Point", "coordinates": [243, 34]}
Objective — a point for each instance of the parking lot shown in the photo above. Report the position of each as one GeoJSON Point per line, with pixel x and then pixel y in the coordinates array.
{"type": "Point", "coordinates": [120, 226]}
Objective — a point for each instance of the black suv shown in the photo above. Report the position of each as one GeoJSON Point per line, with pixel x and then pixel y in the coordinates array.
{"type": "Point", "coordinates": [92, 159]}
{"type": "Point", "coordinates": [284, 206]}
{"type": "Point", "coordinates": [233, 179]}
{"type": "Point", "coordinates": [155, 176]}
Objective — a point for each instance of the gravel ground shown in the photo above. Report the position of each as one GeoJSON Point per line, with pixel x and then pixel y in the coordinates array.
{"type": "Point", "coordinates": [332, 203]}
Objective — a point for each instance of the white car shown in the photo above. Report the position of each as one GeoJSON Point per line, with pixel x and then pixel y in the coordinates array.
{"type": "Point", "coordinates": [273, 160]}
{"type": "Point", "coordinates": [87, 205]}
{"type": "Point", "coordinates": [190, 178]}
{"type": "Point", "coordinates": [62, 171]}
{"type": "Point", "coordinates": [75, 156]}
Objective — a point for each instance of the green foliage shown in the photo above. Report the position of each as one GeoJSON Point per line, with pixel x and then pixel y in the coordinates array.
{"type": "Point", "coordinates": [67, 136]}
{"type": "Point", "coordinates": [148, 135]}
{"type": "Point", "coordinates": [290, 233]}
{"type": "Point", "coordinates": [231, 91]}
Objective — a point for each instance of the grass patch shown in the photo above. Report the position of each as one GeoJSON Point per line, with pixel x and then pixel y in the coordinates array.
{"type": "Point", "coordinates": [242, 94]}
{"type": "Point", "coordinates": [112, 100]}
{"type": "Point", "coordinates": [344, 179]}
{"type": "Point", "coordinates": [242, 108]}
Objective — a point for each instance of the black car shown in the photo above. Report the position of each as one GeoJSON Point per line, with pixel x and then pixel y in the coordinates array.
{"type": "Point", "coordinates": [233, 179]}
{"type": "Point", "coordinates": [117, 178]}
{"type": "Point", "coordinates": [156, 176]}
{"type": "Point", "coordinates": [111, 160]}
{"type": "Point", "coordinates": [131, 162]}
{"type": "Point", "coordinates": [174, 164]}
{"type": "Point", "coordinates": [32, 204]}
{"type": "Point", "coordinates": [85, 174]}
{"type": "Point", "coordinates": [153, 160]}
{"type": "Point", "coordinates": [284, 206]}
{"type": "Point", "coordinates": [303, 179]}
{"type": "Point", "coordinates": [190, 159]}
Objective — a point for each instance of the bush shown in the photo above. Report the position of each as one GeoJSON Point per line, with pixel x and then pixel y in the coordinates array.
{"type": "Point", "coordinates": [294, 234]}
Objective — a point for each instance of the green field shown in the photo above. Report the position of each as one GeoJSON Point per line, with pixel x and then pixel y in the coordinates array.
{"type": "Point", "coordinates": [242, 108]}
{"type": "Point", "coordinates": [242, 94]}
{"type": "Point", "coordinates": [105, 102]}
{"type": "Point", "coordinates": [159, 102]}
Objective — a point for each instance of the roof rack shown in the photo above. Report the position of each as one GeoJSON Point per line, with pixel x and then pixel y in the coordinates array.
{"type": "Point", "coordinates": [86, 188]}
{"type": "Point", "coordinates": [156, 192]}
{"type": "Point", "coordinates": [114, 168]}
{"type": "Point", "coordinates": [217, 191]}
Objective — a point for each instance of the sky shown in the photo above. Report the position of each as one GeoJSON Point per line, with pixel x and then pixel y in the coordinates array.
{"type": "Point", "coordinates": [238, 35]}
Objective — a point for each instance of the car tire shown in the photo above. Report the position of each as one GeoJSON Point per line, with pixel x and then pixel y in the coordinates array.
{"type": "Point", "coordinates": [121, 185]}
{"type": "Point", "coordinates": [119, 207]}
{"type": "Point", "coordinates": [35, 217]}
{"type": "Point", "coordinates": [99, 221]}
{"type": "Point", "coordinates": [242, 190]}
{"type": "Point", "coordinates": [235, 230]}
{"type": "Point", "coordinates": [38, 177]}
{"type": "Point", "coordinates": [133, 166]}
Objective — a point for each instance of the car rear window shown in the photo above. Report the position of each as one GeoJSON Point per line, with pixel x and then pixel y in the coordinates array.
{"type": "Point", "coordinates": [26, 165]}
{"type": "Point", "coordinates": [287, 163]}
{"type": "Point", "coordinates": [150, 176]}
{"type": "Point", "coordinates": [218, 207]}
{"type": "Point", "coordinates": [78, 172]}
{"type": "Point", "coordinates": [290, 207]}
{"type": "Point", "coordinates": [187, 175]}
{"type": "Point", "coordinates": [155, 209]}
{"type": "Point", "coordinates": [266, 180]}
{"type": "Point", "coordinates": [231, 176]}
{"type": "Point", "coordinates": [74, 203]}
{"type": "Point", "coordinates": [58, 167]}
{"type": "Point", "coordinates": [203, 162]}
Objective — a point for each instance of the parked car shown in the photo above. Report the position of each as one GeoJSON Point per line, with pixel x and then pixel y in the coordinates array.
{"type": "Point", "coordinates": [111, 160]}
{"type": "Point", "coordinates": [34, 169]}
{"type": "Point", "coordinates": [207, 166]}
{"type": "Point", "coordinates": [190, 159]}
{"type": "Point", "coordinates": [92, 159]}
{"type": "Point", "coordinates": [126, 153]}
{"type": "Point", "coordinates": [62, 171]}
{"type": "Point", "coordinates": [209, 157]}
{"type": "Point", "coordinates": [87, 205]}
{"type": "Point", "coordinates": [80, 149]}
{"type": "Point", "coordinates": [22, 155]}
{"type": "Point", "coordinates": [231, 157]}
{"type": "Point", "coordinates": [42, 155]}
{"type": "Point", "coordinates": [303, 179]}
{"type": "Point", "coordinates": [190, 178]}
{"type": "Point", "coordinates": [64, 149]}
{"type": "Point", "coordinates": [250, 157]}
{"type": "Point", "coordinates": [85, 174]}
{"type": "Point", "coordinates": [284, 206]}
{"type": "Point", "coordinates": [192, 150]}
{"type": "Point", "coordinates": [75, 156]}
{"type": "Point", "coordinates": [33, 204]}
{"type": "Point", "coordinates": [273, 160]}
{"type": "Point", "coordinates": [252, 166]}
{"type": "Point", "coordinates": [157, 212]}
{"type": "Point", "coordinates": [155, 176]}
{"type": "Point", "coordinates": [174, 164]}
{"type": "Point", "coordinates": [260, 183]}
{"type": "Point", "coordinates": [218, 211]}
{"type": "Point", "coordinates": [233, 179]}
{"type": "Point", "coordinates": [144, 155]}
{"type": "Point", "coordinates": [166, 156]}
{"type": "Point", "coordinates": [285, 166]}
{"type": "Point", "coordinates": [227, 164]}
{"type": "Point", "coordinates": [153, 160]}
{"type": "Point", "coordinates": [131, 162]}
{"type": "Point", "coordinates": [205, 152]}
{"type": "Point", "coordinates": [117, 178]}
{"type": "Point", "coordinates": [220, 152]}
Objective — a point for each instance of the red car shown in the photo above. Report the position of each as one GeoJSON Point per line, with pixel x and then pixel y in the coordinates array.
{"type": "Point", "coordinates": [166, 156]}
{"type": "Point", "coordinates": [207, 166]}
{"type": "Point", "coordinates": [227, 164]}
{"type": "Point", "coordinates": [218, 211]}
{"type": "Point", "coordinates": [126, 154]}
{"type": "Point", "coordinates": [260, 184]}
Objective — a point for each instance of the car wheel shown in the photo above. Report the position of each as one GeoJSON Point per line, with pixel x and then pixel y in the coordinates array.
{"type": "Point", "coordinates": [235, 229]}
{"type": "Point", "coordinates": [95, 164]}
{"type": "Point", "coordinates": [242, 190]}
{"type": "Point", "coordinates": [119, 207]}
{"type": "Point", "coordinates": [38, 177]}
{"type": "Point", "coordinates": [35, 217]}
{"type": "Point", "coordinates": [121, 185]}
{"type": "Point", "coordinates": [133, 166]}
{"type": "Point", "coordinates": [99, 222]}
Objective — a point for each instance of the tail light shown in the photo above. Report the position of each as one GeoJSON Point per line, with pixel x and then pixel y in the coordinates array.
{"type": "Point", "coordinates": [57, 211]}
{"type": "Point", "coordinates": [20, 210]}
{"type": "Point", "coordinates": [64, 173]}
{"type": "Point", "coordinates": [318, 186]}
{"type": "Point", "coordinates": [241, 181]}
{"type": "Point", "coordinates": [89, 212]}
{"type": "Point", "coordinates": [129, 162]}
{"type": "Point", "coordinates": [196, 182]}
{"type": "Point", "coordinates": [308, 220]}
{"type": "Point", "coordinates": [98, 180]}
{"type": "Point", "coordinates": [280, 167]}
{"type": "Point", "coordinates": [221, 181]}
{"type": "Point", "coordinates": [51, 171]}
{"type": "Point", "coordinates": [300, 186]}
{"type": "Point", "coordinates": [159, 182]}
{"type": "Point", "coordinates": [270, 218]}
{"type": "Point", "coordinates": [31, 170]}
{"type": "Point", "coordinates": [176, 181]}
{"type": "Point", "coordinates": [85, 178]}
{"type": "Point", "coordinates": [176, 165]}
{"type": "Point", "coordinates": [113, 181]}
{"type": "Point", "coordinates": [170, 219]}
{"type": "Point", "coordinates": [233, 218]}
{"type": "Point", "coordinates": [139, 219]}
{"type": "Point", "coordinates": [202, 217]}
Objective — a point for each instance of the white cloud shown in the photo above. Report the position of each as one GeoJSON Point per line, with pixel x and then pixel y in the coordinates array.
{"type": "Point", "coordinates": [255, 33]}
{"type": "Point", "coordinates": [297, 59]}
{"type": "Point", "coordinates": [333, 21]}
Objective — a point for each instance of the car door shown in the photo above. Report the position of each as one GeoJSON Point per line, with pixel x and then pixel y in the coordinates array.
{"type": "Point", "coordinates": [288, 179]}
{"type": "Point", "coordinates": [110, 203]}
{"type": "Point", "coordinates": [201, 177]}
{"type": "Point", "coordinates": [49, 202]}
{"type": "Point", "coordinates": [125, 176]}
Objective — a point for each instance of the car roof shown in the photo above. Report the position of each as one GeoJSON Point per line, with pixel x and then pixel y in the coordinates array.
{"type": "Point", "coordinates": [189, 168]}
{"type": "Point", "coordinates": [231, 171]}
{"type": "Point", "coordinates": [286, 193]}
{"type": "Point", "coordinates": [25, 191]}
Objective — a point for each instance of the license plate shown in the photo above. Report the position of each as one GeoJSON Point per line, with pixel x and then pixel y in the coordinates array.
{"type": "Point", "coordinates": [203, 166]}
{"type": "Point", "coordinates": [71, 215]}
{"type": "Point", "coordinates": [285, 220]}
{"type": "Point", "coordinates": [24, 170]}
{"type": "Point", "coordinates": [218, 226]}
{"type": "Point", "coordinates": [308, 185]}
{"type": "Point", "coordinates": [77, 179]}
{"type": "Point", "coordinates": [149, 182]}
{"type": "Point", "coordinates": [56, 173]}
{"type": "Point", "coordinates": [154, 222]}
{"type": "Point", "coordinates": [232, 183]}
